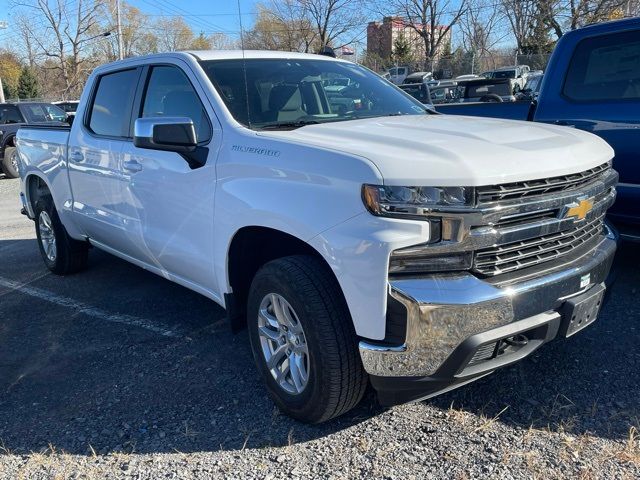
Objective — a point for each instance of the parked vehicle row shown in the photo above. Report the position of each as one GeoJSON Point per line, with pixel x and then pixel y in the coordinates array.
{"type": "Point", "coordinates": [359, 237]}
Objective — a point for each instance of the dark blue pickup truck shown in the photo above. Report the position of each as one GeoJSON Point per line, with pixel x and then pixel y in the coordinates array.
{"type": "Point", "coordinates": [592, 82]}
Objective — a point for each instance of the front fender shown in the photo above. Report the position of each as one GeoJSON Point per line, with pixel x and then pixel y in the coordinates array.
{"type": "Point", "coordinates": [299, 190]}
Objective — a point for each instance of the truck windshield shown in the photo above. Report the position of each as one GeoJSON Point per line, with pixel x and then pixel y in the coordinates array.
{"type": "Point", "coordinates": [504, 74]}
{"type": "Point", "coordinates": [290, 93]}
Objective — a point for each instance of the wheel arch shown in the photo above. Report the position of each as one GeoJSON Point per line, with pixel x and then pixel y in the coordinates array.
{"type": "Point", "coordinates": [249, 249]}
{"type": "Point", "coordinates": [9, 141]}
{"type": "Point", "coordinates": [36, 186]}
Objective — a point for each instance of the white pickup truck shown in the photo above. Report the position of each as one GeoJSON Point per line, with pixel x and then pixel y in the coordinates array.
{"type": "Point", "coordinates": [359, 236]}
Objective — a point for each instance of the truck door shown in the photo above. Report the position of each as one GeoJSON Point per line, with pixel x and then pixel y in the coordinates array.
{"type": "Point", "coordinates": [95, 157]}
{"type": "Point", "coordinates": [168, 204]}
{"type": "Point", "coordinates": [601, 94]}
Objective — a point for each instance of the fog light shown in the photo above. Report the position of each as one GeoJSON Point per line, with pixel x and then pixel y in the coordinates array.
{"type": "Point", "coordinates": [415, 260]}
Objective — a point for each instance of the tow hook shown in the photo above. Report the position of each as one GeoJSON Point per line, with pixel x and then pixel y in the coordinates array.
{"type": "Point", "coordinates": [517, 342]}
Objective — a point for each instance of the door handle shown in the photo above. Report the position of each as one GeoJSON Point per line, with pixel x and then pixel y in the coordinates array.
{"type": "Point", "coordinates": [132, 166]}
{"type": "Point", "coordinates": [76, 156]}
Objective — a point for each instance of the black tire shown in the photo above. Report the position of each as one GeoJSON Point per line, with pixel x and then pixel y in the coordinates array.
{"type": "Point", "coordinates": [8, 166]}
{"type": "Point", "coordinates": [491, 98]}
{"type": "Point", "coordinates": [336, 378]}
{"type": "Point", "coordinates": [71, 255]}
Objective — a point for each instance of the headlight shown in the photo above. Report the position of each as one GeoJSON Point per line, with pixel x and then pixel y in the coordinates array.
{"type": "Point", "coordinates": [414, 201]}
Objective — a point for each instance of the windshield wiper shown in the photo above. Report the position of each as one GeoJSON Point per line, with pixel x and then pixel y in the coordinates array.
{"type": "Point", "coordinates": [288, 125]}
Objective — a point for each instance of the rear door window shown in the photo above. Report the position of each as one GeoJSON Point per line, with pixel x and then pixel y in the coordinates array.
{"type": "Point", "coordinates": [606, 67]}
{"type": "Point", "coordinates": [112, 103]}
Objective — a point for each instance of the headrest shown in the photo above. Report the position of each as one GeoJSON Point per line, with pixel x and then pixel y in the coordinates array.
{"type": "Point", "coordinates": [284, 97]}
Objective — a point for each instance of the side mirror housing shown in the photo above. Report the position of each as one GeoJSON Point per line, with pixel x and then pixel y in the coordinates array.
{"type": "Point", "coordinates": [173, 134]}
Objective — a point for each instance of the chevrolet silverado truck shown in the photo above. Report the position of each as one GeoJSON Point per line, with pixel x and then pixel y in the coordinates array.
{"type": "Point", "coordinates": [358, 236]}
{"type": "Point", "coordinates": [592, 83]}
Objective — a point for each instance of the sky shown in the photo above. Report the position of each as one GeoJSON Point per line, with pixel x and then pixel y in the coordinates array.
{"type": "Point", "coordinates": [203, 16]}
{"type": "Point", "coordinates": [206, 16]}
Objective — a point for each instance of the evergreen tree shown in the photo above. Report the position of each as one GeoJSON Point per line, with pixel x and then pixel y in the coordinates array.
{"type": "Point", "coordinates": [402, 54]}
{"type": "Point", "coordinates": [27, 85]}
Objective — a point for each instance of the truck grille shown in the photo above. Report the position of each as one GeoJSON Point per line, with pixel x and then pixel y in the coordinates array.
{"type": "Point", "coordinates": [526, 253]}
{"type": "Point", "coordinates": [532, 188]}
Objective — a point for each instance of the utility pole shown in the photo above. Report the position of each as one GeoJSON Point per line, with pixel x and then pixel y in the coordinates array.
{"type": "Point", "coordinates": [119, 30]}
{"type": "Point", "coordinates": [3, 25]}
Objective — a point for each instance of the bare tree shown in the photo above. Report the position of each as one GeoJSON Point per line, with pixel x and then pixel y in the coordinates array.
{"type": "Point", "coordinates": [63, 36]}
{"type": "Point", "coordinates": [138, 37]}
{"type": "Point", "coordinates": [631, 8]}
{"type": "Point", "coordinates": [174, 34]}
{"type": "Point", "coordinates": [298, 29]}
{"type": "Point", "coordinates": [480, 26]}
{"type": "Point", "coordinates": [432, 21]}
{"type": "Point", "coordinates": [521, 15]}
{"type": "Point", "coordinates": [281, 26]}
{"type": "Point", "coordinates": [22, 24]}
{"type": "Point", "coordinates": [332, 19]}
{"type": "Point", "coordinates": [564, 15]}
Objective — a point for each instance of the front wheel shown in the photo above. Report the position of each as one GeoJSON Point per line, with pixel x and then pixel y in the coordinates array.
{"type": "Point", "coordinates": [303, 340]}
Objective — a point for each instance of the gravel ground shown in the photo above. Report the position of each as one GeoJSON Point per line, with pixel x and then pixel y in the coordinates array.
{"type": "Point", "coordinates": [117, 373]}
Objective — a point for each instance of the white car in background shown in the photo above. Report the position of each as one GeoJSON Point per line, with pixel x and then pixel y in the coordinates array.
{"type": "Point", "coordinates": [69, 106]}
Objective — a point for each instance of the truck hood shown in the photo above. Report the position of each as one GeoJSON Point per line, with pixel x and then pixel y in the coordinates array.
{"type": "Point", "coordinates": [443, 150]}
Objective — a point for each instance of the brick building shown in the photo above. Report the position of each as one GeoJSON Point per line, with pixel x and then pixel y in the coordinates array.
{"type": "Point", "coordinates": [381, 37]}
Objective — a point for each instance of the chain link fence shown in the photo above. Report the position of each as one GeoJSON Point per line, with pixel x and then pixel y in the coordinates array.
{"type": "Point", "coordinates": [467, 63]}
{"type": "Point", "coordinates": [454, 66]}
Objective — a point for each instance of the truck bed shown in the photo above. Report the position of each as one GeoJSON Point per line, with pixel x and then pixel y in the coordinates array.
{"type": "Point", "coordinates": [43, 151]}
{"type": "Point", "coordinates": [506, 110]}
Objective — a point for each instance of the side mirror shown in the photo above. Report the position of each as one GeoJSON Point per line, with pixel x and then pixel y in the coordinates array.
{"type": "Point", "coordinates": [70, 119]}
{"type": "Point", "coordinates": [173, 134]}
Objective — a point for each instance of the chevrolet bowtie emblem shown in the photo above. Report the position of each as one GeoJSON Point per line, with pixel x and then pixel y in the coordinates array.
{"type": "Point", "coordinates": [579, 209]}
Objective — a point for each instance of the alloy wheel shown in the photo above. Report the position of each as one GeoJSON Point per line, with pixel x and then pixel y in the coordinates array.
{"type": "Point", "coordinates": [283, 343]}
{"type": "Point", "coordinates": [47, 236]}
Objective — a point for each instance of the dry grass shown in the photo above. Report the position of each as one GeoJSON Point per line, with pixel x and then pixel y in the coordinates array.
{"type": "Point", "coordinates": [631, 450]}
{"type": "Point", "coordinates": [488, 422]}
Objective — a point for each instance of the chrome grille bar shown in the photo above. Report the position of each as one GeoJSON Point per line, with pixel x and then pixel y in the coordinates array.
{"type": "Point", "coordinates": [525, 253]}
{"type": "Point", "coordinates": [531, 188]}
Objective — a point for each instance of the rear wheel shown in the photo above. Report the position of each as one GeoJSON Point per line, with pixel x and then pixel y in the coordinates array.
{"type": "Point", "coordinates": [10, 162]}
{"type": "Point", "coordinates": [61, 253]}
{"type": "Point", "coordinates": [303, 340]}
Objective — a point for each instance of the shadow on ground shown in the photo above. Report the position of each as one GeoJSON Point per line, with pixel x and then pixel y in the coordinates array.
{"type": "Point", "coordinates": [75, 381]}
{"type": "Point", "coordinates": [82, 383]}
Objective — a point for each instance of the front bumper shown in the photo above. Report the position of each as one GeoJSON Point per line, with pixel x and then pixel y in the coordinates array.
{"type": "Point", "coordinates": [453, 322]}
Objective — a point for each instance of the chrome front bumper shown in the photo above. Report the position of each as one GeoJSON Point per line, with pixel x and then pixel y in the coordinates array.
{"type": "Point", "coordinates": [442, 311]}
